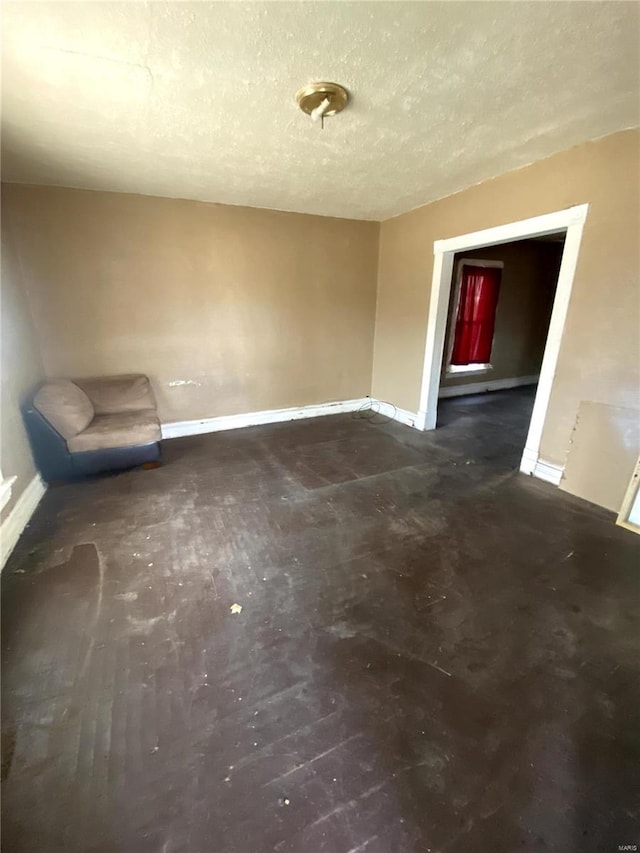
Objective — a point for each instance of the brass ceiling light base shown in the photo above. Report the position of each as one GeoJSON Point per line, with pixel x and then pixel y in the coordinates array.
{"type": "Point", "coordinates": [320, 100]}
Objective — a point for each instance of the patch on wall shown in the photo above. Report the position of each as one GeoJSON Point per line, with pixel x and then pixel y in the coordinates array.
{"type": "Point", "coordinates": [604, 439]}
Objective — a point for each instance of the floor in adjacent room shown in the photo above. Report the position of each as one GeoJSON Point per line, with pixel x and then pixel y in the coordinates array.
{"type": "Point", "coordinates": [434, 652]}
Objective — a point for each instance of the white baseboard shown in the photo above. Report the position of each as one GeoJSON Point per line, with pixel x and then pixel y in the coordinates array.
{"type": "Point", "coordinates": [549, 472]}
{"type": "Point", "coordinates": [490, 385]}
{"type": "Point", "coordinates": [177, 429]}
{"type": "Point", "coordinates": [406, 417]}
{"type": "Point", "coordinates": [5, 491]}
{"type": "Point", "coordinates": [389, 411]}
{"type": "Point", "coordinates": [534, 466]}
{"type": "Point", "coordinates": [18, 518]}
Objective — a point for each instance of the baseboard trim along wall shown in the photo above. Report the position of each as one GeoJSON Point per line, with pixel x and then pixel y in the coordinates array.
{"type": "Point", "coordinates": [405, 417]}
{"type": "Point", "coordinates": [490, 385]}
{"type": "Point", "coordinates": [19, 517]}
{"type": "Point", "coordinates": [176, 429]}
{"type": "Point", "coordinates": [380, 411]}
{"type": "Point", "coordinates": [547, 471]}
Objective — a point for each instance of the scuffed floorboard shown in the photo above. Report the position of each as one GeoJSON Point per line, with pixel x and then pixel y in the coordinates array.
{"type": "Point", "coordinates": [434, 652]}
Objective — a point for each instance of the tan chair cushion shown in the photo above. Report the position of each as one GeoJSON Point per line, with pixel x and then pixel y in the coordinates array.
{"type": "Point", "coordinates": [122, 430]}
{"type": "Point", "coordinates": [65, 406]}
{"type": "Point", "coordinates": [113, 394]}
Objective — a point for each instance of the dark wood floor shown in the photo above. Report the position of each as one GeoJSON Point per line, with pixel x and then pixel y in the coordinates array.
{"type": "Point", "coordinates": [434, 653]}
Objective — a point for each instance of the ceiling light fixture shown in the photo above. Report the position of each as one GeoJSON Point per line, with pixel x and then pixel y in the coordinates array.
{"type": "Point", "coordinates": [320, 100]}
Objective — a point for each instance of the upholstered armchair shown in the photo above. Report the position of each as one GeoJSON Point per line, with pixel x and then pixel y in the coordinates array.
{"type": "Point", "coordinates": [86, 426]}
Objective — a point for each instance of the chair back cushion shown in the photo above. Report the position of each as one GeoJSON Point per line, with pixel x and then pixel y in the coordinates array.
{"type": "Point", "coordinates": [65, 406]}
{"type": "Point", "coordinates": [111, 395]}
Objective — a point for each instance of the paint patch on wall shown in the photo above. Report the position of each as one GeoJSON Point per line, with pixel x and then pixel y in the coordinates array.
{"type": "Point", "coordinates": [604, 447]}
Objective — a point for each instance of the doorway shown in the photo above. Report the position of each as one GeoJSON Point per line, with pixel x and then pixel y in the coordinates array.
{"type": "Point", "coordinates": [570, 223]}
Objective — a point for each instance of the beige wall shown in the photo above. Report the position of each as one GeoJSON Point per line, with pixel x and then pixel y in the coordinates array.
{"type": "Point", "coordinates": [527, 288]}
{"type": "Point", "coordinates": [21, 369]}
{"type": "Point", "coordinates": [228, 309]}
{"type": "Point", "coordinates": [598, 359]}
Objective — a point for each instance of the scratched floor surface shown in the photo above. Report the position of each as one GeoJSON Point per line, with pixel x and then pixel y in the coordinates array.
{"type": "Point", "coordinates": [434, 652]}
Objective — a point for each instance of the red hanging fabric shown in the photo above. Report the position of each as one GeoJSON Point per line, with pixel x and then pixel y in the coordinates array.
{"type": "Point", "coordinates": [476, 319]}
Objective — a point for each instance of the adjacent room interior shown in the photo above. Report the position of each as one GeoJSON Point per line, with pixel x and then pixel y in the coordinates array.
{"type": "Point", "coordinates": [499, 313]}
{"type": "Point", "coordinates": [320, 427]}
{"type": "Point", "coordinates": [500, 305]}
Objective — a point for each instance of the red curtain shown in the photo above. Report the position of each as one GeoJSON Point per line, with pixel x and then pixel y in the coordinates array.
{"type": "Point", "coordinates": [476, 319]}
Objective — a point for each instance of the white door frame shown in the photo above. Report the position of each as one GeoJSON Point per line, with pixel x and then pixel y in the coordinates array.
{"type": "Point", "coordinates": [570, 220]}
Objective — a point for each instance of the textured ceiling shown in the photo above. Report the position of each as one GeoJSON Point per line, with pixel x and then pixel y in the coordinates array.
{"type": "Point", "coordinates": [196, 100]}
